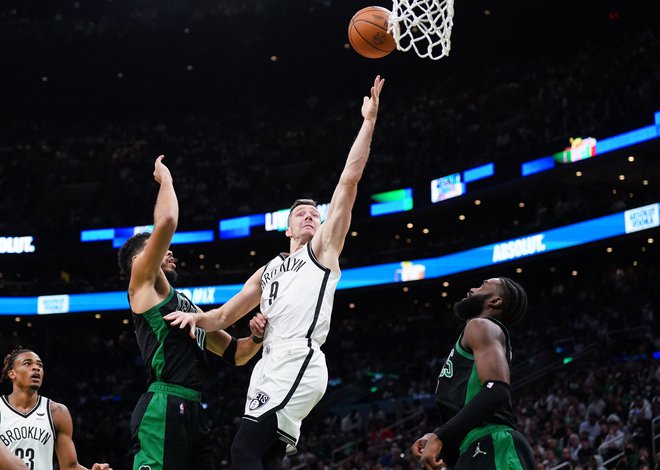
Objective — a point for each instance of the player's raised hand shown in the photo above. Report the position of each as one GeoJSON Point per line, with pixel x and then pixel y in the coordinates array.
{"type": "Point", "coordinates": [161, 172]}
{"type": "Point", "coordinates": [370, 104]}
{"type": "Point", "coordinates": [183, 319]}
{"type": "Point", "coordinates": [258, 325]}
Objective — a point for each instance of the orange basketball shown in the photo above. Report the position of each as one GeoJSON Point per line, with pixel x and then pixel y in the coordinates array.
{"type": "Point", "coordinates": [367, 33]}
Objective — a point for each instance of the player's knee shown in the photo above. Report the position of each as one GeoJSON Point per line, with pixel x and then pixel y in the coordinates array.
{"type": "Point", "coordinates": [240, 450]}
{"type": "Point", "coordinates": [238, 446]}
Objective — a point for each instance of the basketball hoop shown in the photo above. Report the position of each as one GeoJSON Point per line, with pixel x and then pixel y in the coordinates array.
{"type": "Point", "coordinates": [424, 25]}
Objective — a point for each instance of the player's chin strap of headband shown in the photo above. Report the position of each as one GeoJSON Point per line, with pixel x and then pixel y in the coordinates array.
{"type": "Point", "coordinates": [492, 396]}
{"type": "Point", "coordinates": [230, 353]}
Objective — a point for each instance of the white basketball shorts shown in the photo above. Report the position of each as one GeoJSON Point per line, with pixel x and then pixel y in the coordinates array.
{"type": "Point", "coordinates": [289, 380]}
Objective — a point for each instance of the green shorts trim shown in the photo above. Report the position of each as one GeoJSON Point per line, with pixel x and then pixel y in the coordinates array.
{"type": "Point", "coordinates": [151, 434]}
{"type": "Point", "coordinates": [175, 390]}
{"type": "Point", "coordinates": [495, 447]}
{"type": "Point", "coordinates": [481, 432]}
{"type": "Point", "coordinates": [170, 430]}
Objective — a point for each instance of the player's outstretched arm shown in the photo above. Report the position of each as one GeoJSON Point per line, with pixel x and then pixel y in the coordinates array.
{"type": "Point", "coordinates": [330, 239]}
{"type": "Point", "coordinates": [64, 447]}
{"type": "Point", "coordinates": [220, 318]}
{"type": "Point", "coordinates": [166, 215]}
{"type": "Point", "coordinates": [238, 352]}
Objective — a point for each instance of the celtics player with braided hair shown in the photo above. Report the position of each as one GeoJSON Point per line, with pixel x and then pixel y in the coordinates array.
{"type": "Point", "coordinates": [472, 394]}
{"type": "Point", "coordinates": [169, 427]}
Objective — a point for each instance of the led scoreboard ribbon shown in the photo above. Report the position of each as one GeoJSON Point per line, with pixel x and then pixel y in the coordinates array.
{"type": "Point", "coordinates": [621, 223]}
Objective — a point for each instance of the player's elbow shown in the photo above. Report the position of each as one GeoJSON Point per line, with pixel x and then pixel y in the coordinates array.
{"type": "Point", "coordinates": [241, 360]}
{"type": "Point", "coordinates": [350, 178]}
{"type": "Point", "coordinates": [498, 392]}
{"type": "Point", "coordinates": [168, 220]}
{"type": "Point", "coordinates": [243, 356]}
{"type": "Point", "coordinates": [348, 185]}
{"type": "Point", "coordinates": [70, 465]}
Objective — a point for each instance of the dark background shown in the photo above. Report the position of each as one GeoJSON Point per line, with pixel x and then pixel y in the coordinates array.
{"type": "Point", "coordinates": [93, 91]}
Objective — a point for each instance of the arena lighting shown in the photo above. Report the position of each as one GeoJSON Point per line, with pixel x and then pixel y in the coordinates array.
{"type": "Point", "coordinates": [479, 172]}
{"type": "Point", "coordinates": [398, 200]}
{"type": "Point", "coordinates": [442, 188]}
{"type": "Point", "coordinates": [120, 235]}
{"type": "Point", "coordinates": [580, 149]}
{"type": "Point", "coordinates": [17, 245]}
{"type": "Point", "coordinates": [620, 223]}
{"type": "Point", "coordinates": [240, 227]}
{"type": "Point", "coordinates": [537, 166]}
{"type": "Point", "coordinates": [453, 185]}
{"type": "Point", "coordinates": [447, 187]}
{"type": "Point", "coordinates": [599, 147]}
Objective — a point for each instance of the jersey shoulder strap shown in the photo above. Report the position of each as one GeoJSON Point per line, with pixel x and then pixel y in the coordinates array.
{"type": "Point", "coordinates": [506, 336]}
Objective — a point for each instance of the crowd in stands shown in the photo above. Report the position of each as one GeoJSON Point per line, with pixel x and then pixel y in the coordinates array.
{"type": "Point", "coordinates": [585, 380]}
{"type": "Point", "coordinates": [384, 356]}
{"type": "Point", "coordinates": [68, 173]}
{"type": "Point", "coordinates": [231, 162]}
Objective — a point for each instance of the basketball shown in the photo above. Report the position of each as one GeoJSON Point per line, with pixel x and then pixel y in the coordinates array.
{"type": "Point", "coordinates": [367, 33]}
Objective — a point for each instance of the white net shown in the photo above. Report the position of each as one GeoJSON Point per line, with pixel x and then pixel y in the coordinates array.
{"type": "Point", "coordinates": [423, 25]}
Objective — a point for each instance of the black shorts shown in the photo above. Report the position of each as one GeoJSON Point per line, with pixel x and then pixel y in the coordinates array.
{"type": "Point", "coordinates": [170, 430]}
{"type": "Point", "coordinates": [501, 449]}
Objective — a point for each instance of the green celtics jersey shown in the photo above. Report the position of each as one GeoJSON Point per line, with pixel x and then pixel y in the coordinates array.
{"type": "Point", "coordinates": [458, 383]}
{"type": "Point", "coordinates": [170, 354]}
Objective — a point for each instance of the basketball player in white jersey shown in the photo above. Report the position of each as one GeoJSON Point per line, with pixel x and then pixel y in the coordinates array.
{"type": "Point", "coordinates": [33, 426]}
{"type": "Point", "coordinates": [296, 292]}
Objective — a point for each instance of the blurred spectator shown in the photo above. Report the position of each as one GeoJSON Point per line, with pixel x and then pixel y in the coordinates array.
{"type": "Point", "coordinates": [591, 427]}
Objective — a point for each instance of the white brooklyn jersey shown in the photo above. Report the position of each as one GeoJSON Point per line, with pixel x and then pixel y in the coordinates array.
{"type": "Point", "coordinates": [297, 295]}
{"type": "Point", "coordinates": [31, 435]}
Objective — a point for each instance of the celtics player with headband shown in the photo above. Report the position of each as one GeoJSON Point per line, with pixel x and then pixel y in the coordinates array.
{"type": "Point", "coordinates": [296, 291]}
{"type": "Point", "coordinates": [169, 427]}
{"type": "Point", "coordinates": [472, 395]}
{"type": "Point", "coordinates": [32, 426]}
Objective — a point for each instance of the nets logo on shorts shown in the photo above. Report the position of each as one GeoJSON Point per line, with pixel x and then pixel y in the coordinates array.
{"type": "Point", "coordinates": [145, 467]}
{"type": "Point", "coordinates": [259, 400]}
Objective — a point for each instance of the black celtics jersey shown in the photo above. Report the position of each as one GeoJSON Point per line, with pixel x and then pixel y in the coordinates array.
{"type": "Point", "coordinates": [458, 383]}
{"type": "Point", "coordinates": [169, 353]}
